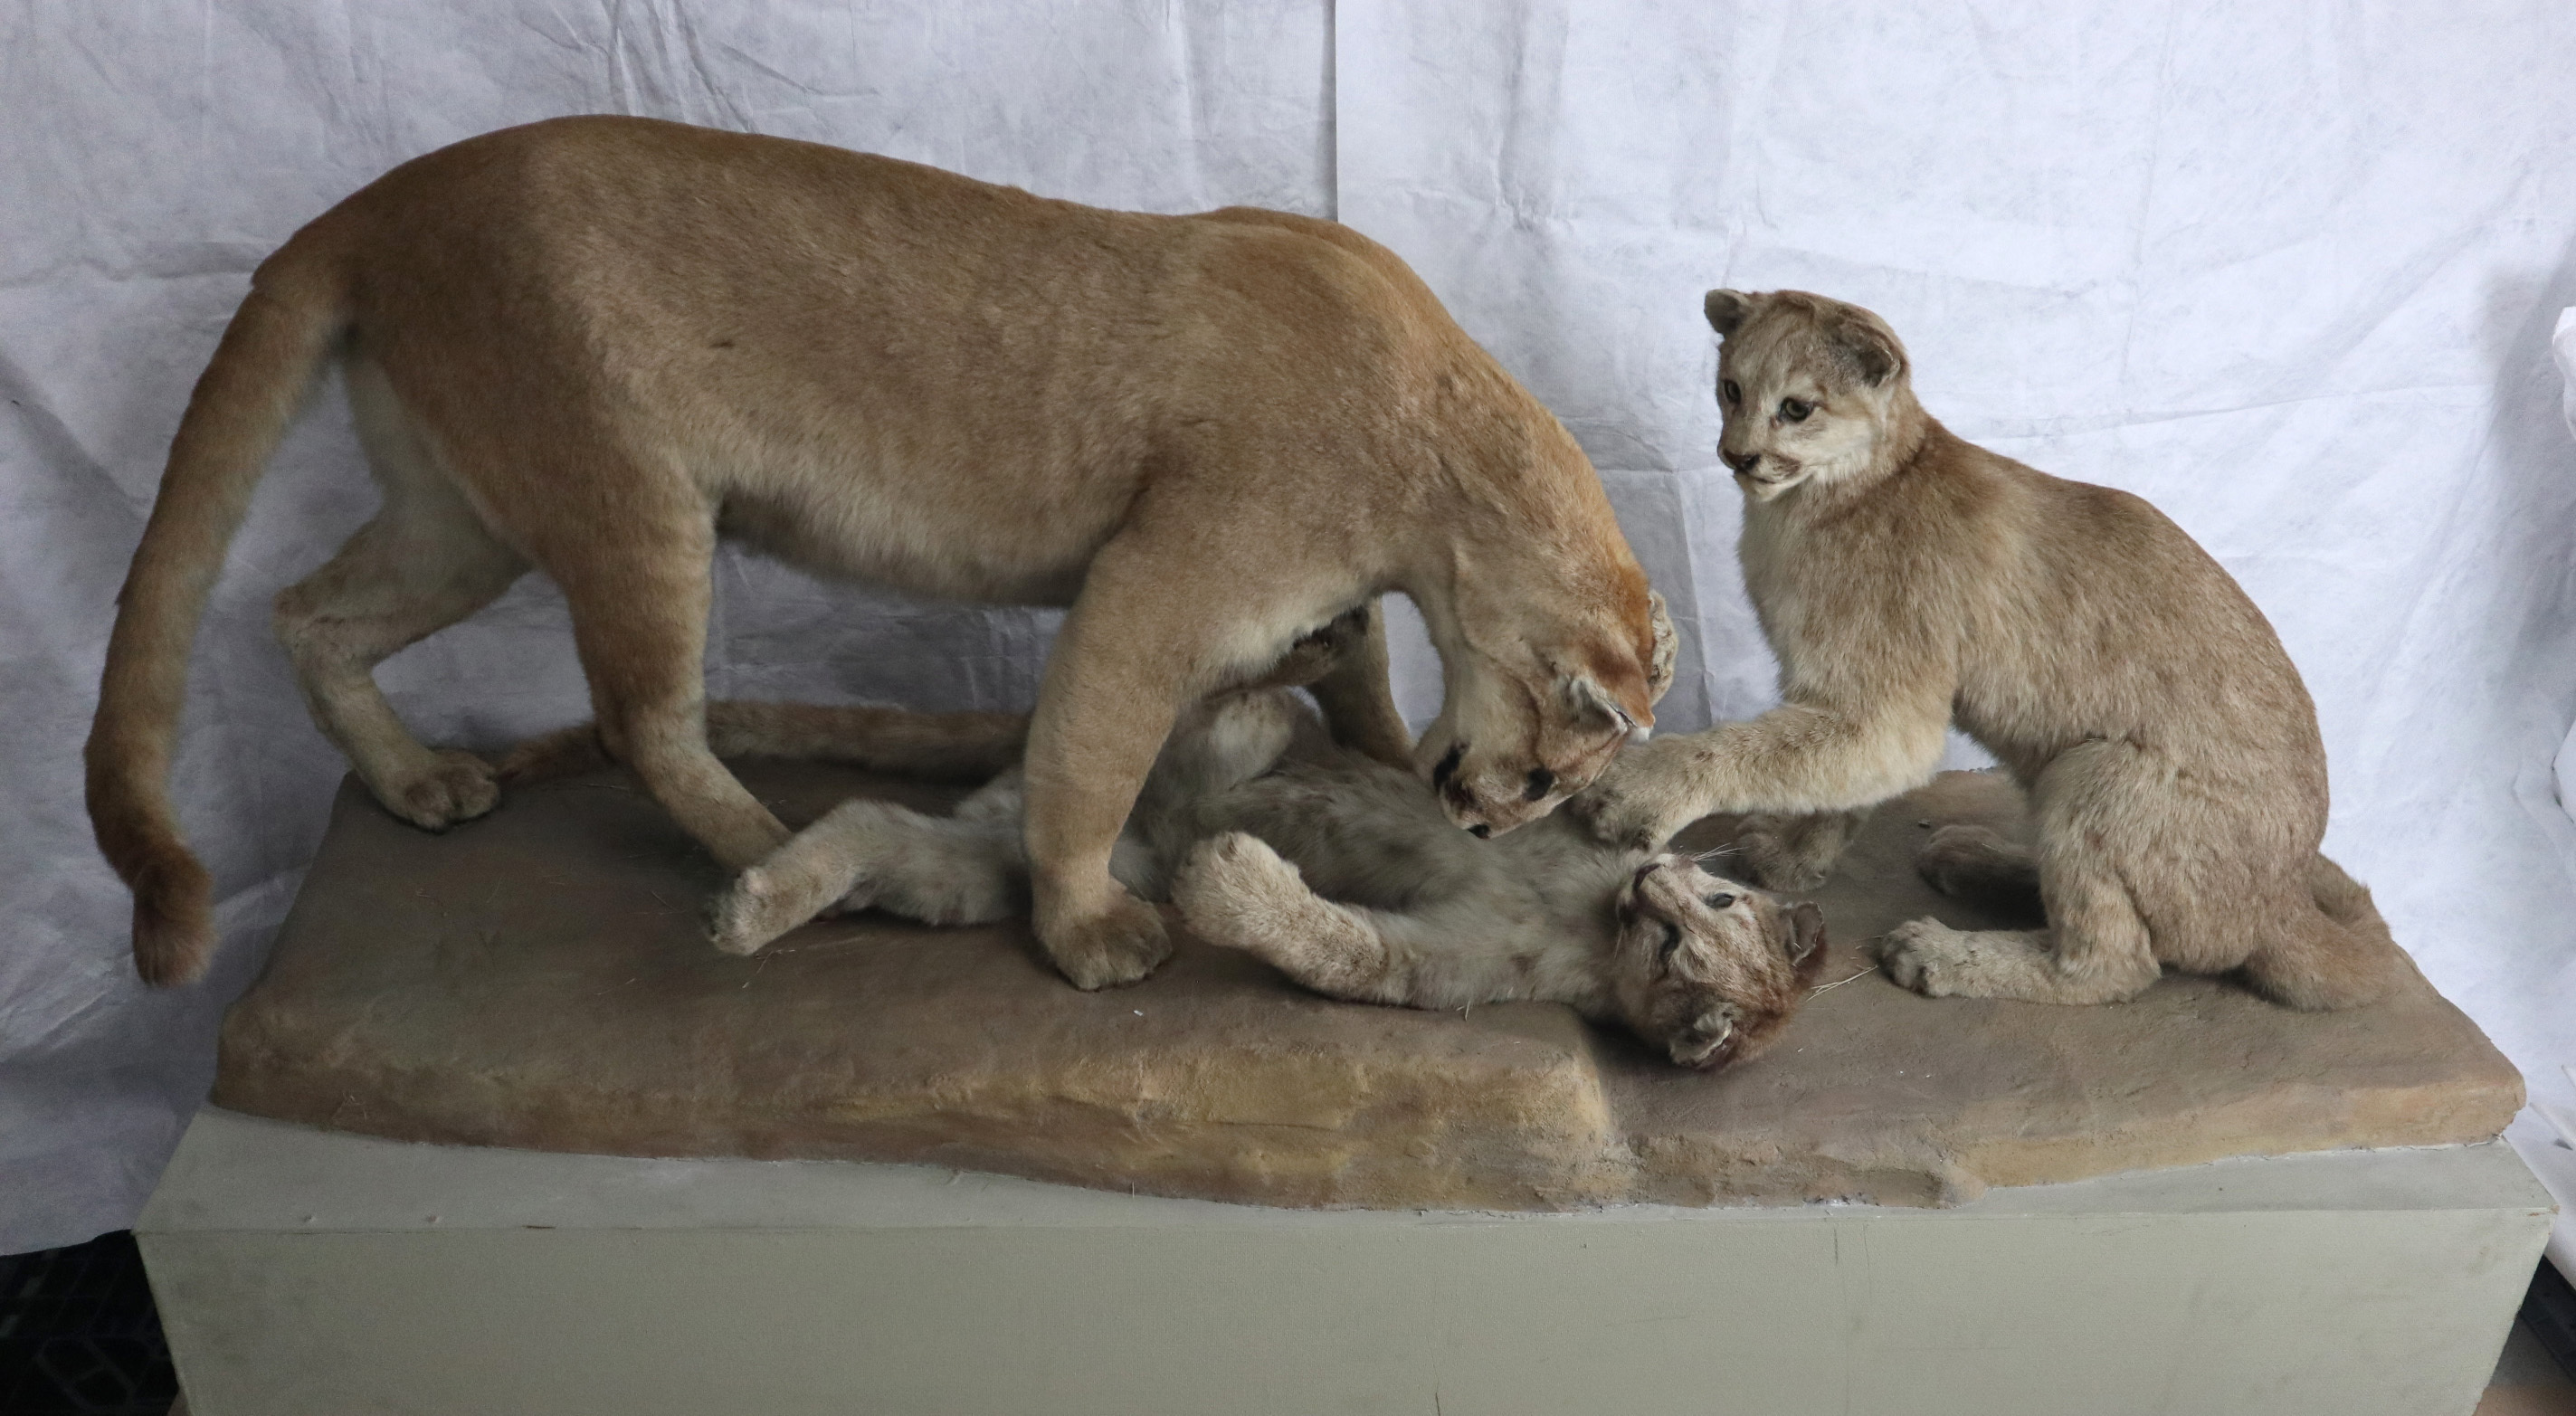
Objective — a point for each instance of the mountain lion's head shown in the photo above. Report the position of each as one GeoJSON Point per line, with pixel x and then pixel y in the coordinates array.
{"type": "Point", "coordinates": [1805, 385]}
{"type": "Point", "coordinates": [1531, 719]}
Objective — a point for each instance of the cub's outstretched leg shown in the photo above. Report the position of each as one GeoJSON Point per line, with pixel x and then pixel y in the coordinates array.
{"type": "Point", "coordinates": [423, 563]}
{"type": "Point", "coordinates": [964, 869]}
{"type": "Point", "coordinates": [2092, 804]}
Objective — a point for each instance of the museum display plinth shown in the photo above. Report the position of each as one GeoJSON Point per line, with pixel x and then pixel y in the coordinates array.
{"type": "Point", "coordinates": [305, 1273]}
{"type": "Point", "coordinates": [541, 979]}
{"type": "Point", "coordinates": [1434, 1211]}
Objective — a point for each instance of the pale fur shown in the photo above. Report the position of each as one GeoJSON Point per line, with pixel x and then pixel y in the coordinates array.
{"type": "Point", "coordinates": [1343, 873]}
{"type": "Point", "coordinates": [594, 346]}
{"type": "Point", "coordinates": [1907, 581]}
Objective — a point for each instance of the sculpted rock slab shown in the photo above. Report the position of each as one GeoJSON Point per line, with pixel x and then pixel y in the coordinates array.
{"type": "Point", "coordinates": [541, 979]}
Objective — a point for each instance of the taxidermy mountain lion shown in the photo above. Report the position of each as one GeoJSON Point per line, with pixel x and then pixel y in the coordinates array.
{"type": "Point", "coordinates": [1908, 580]}
{"type": "Point", "coordinates": [593, 346]}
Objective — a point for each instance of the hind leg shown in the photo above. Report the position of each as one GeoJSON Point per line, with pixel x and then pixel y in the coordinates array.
{"type": "Point", "coordinates": [2093, 804]}
{"type": "Point", "coordinates": [422, 564]}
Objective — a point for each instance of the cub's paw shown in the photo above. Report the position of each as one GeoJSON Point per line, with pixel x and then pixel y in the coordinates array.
{"type": "Point", "coordinates": [765, 901]}
{"type": "Point", "coordinates": [1959, 857]}
{"type": "Point", "coordinates": [1233, 888]}
{"type": "Point", "coordinates": [450, 787]}
{"type": "Point", "coordinates": [1765, 858]}
{"type": "Point", "coordinates": [1121, 944]}
{"type": "Point", "coordinates": [1928, 957]}
{"type": "Point", "coordinates": [1644, 798]}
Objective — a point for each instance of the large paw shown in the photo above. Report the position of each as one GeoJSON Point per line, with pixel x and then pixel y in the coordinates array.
{"type": "Point", "coordinates": [1957, 857]}
{"type": "Point", "coordinates": [1928, 957]}
{"type": "Point", "coordinates": [1644, 798]}
{"type": "Point", "coordinates": [450, 787]}
{"type": "Point", "coordinates": [1119, 945]}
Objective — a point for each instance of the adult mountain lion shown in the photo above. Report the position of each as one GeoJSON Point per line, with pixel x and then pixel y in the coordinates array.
{"type": "Point", "coordinates": [1907, 580]}
{"type": "Point", "coordinates": [593, 346]}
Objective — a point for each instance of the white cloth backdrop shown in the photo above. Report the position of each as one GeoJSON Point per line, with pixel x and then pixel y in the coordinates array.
{"type": "Point", "coordinates": [2288, 271]}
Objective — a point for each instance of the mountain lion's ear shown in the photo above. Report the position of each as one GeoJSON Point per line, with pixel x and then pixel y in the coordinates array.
{"type": "Point", "coordinates": [1870, 347]}
{"type": "Point", "coordinates": [1591, 703]}
{"type": "Point", "coordinates": [1659, 671]}
{"type": "Point", "coordinates": [1727, 310]}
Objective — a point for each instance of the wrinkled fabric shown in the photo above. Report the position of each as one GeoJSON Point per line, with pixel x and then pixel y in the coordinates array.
{"type": "Point", "coordinates": [2291, 275]}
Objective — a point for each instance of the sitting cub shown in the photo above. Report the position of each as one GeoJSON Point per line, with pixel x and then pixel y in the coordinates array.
{"type": "Point", "coordinates": [1907, 580]}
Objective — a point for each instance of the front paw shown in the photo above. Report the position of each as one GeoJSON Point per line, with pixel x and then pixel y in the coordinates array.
{"type": "Point", "coordinates": [1118, 945]}
{"type": "Point", "coordinates": [1925, 956]}
{"type": "Point", "coordinates": [1643, 799]}
{"type": "Point", "coordinates": [451, 787]}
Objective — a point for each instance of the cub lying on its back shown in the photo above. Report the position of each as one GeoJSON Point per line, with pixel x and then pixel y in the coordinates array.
{"type": "Point", "coordinates": [1344, 873]}
{"type": "Point", "coordinates": [1907, 580]}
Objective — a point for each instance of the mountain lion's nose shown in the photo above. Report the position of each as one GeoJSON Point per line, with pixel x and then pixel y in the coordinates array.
{"type": "Point", "coordinates": [1740, 461]}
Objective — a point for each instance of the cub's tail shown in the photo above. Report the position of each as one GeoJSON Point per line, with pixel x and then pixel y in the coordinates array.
{"type": "Point", "coordinates": [270, 357]}
{"type": "Point", "coordinates": [940, 747]}
{"type": "Point", "coordinates": [2338, 954]}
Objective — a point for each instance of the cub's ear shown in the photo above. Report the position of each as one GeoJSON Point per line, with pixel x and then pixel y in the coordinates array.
{"type": "Point", "coordinates": [1806, 932]}
{"type": "Point", "coordinates": [1659, 671]}
{"type": "Point", "coordinates": [1727, 310]}
{"type": "Point", "coordinates": [1869, 346]}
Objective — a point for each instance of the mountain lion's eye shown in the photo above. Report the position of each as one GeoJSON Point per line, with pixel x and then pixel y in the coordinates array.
{"type": "Point", "coordinates": [1719, 902]}
{"type": "Point", "coordinates": [1672, 941]}
{"type": "Point", "coordinates": [1795, 411]}
{"type": "Point", "coordinates": [1733, 394]}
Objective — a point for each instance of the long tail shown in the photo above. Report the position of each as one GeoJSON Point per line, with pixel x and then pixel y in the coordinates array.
{"type": "Point", "coordinates": [270, 357]}
{"type": "Point", "coordinates": [947, 747]}
{"type": "Point", "coordinates": [2340, 956]}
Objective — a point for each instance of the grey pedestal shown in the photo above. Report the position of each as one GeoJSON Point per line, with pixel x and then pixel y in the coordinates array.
{"type": "Point", "coordinates": [301, 1271]}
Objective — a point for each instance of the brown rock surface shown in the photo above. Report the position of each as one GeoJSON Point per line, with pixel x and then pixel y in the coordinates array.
{"type": "Point", "coordinates": [541, 979]}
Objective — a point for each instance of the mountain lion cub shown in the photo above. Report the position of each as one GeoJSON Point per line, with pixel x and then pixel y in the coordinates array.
{"type": "Point", "coordinates": [1342, 873]}
{"type": "Point", "coordinates": [1907, 580]}
{"type": "Point", "coordinates": [595, 346]}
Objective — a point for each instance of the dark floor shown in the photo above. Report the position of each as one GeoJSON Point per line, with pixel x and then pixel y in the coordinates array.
{"type": "Point", "coordinates": [78, 1334]}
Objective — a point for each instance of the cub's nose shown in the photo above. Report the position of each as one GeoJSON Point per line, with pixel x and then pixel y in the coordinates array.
{"type": "Point", "coordinates": [1740, 461]}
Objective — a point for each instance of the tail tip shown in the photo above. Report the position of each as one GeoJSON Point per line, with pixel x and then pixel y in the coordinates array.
{"type": "Point", "coordinates": [174, 923]}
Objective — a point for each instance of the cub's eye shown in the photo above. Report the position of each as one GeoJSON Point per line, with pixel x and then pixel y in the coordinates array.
{"type": "Point", "coordinates": [1672, 941]}
{"type": "Point", "coordinates": [1719, 901]}
{"type": "Point", "coordinates": [1733, 394]}
{"type": "Point", "coordinates": [1795, 410]}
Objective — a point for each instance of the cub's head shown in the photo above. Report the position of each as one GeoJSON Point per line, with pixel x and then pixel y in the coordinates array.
{"type": "Point", "coordinates": [1811, 389]}
{"type": "Point", "coordinates": [1530, 721]}
{"type": "Point", "coordinates": [1706, 970]}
